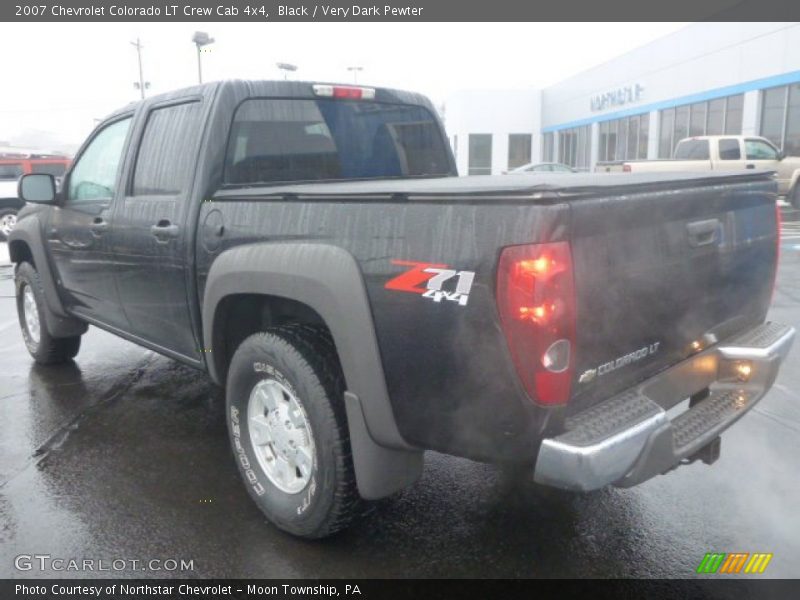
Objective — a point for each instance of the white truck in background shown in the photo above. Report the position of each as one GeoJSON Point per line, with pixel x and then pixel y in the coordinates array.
{"type": "Point", "coordinates": [724, 153]}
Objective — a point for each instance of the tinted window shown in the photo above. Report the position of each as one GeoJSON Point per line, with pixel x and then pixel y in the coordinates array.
{"type": "Point", "coordinates": [729, 150]}
{"type": "Point", "coordinates": [11, 171]}
{"type": "Point", "coordinates": [95, 174]}
{"type": "Point", "coordinates": [759, 150]}
{"type": "Point", "coordinates": [692, 150]}
{"type": "Point", "coordinates": [54, 169]}
{"type": "Point", "coordinates": [166, 152]}
{"type": "Point", "coordinates": [301, 140]}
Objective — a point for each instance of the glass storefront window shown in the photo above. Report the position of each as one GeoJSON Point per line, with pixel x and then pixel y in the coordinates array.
{"type": "Point", "coordinates": [480, 153]}
{"type": "Point", "coordinates": [780, 117]}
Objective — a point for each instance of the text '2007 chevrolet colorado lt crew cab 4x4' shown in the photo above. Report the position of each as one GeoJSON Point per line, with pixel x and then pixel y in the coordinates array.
{"type": "Point", "coordinates": [311, 247]}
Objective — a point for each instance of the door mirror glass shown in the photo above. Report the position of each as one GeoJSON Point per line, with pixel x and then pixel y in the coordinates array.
{"type": "Point", "coordinates": [39, 188]}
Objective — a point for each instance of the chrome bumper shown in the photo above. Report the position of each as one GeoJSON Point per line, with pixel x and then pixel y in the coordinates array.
{"type": "Point", "coordinates": [630, 438]}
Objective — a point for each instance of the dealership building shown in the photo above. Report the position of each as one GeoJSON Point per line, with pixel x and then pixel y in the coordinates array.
{"type": "Point", "coordinates": [705, 79]}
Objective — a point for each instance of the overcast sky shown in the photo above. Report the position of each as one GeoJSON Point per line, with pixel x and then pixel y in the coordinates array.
{"type": "Point", "coordinates": [58, 78]}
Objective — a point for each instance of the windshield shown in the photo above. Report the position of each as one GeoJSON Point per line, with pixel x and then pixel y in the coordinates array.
{"type": "Point", "coordinates": [282, 140]}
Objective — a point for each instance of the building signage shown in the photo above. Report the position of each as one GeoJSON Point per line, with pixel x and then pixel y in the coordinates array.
{"type": "Point", "coordinates": [619, 97]}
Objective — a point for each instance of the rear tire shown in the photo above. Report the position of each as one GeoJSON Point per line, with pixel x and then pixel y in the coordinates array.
{"type": "Point", "coordinates": [288, 429]}
{"type": "Point", "coordinates": [44, 348]}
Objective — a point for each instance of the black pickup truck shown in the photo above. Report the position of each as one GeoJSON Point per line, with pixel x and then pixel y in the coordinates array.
{"type": "Point", "coordinates": [311, 247]}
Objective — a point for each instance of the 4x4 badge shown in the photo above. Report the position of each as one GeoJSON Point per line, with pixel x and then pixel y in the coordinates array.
{"type": "Point", "coordinates": [429, 279]}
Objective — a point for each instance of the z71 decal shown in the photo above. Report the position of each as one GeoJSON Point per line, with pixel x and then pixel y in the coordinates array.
{"type": "Point", "coordinates": [430, 280]}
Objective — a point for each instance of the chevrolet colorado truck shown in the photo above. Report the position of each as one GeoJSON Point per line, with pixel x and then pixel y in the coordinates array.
{"type": "Point", "coordinates": [724, 153]}
{"type": "Point", "coordinates": [311, 248]}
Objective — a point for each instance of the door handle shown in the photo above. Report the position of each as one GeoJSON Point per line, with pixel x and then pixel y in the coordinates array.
{"type": "Point", "coordinates": [703, 233]}
{"type": "Point", "coordinates": [164, 230]}
{"type": "Point", "coordinates": [99, 226]}
{"type": "Point", "coordinates": [750, 166]}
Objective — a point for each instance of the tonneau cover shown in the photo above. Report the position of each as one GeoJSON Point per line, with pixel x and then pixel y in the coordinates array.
{"type": "Point", "coordinates": [528, 185]}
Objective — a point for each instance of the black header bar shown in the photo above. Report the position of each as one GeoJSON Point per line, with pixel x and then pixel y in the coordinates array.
{"type": "Point", "coordinates": [398, 10]}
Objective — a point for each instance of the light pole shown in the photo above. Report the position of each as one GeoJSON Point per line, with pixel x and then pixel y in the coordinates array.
{"type": "Point", "coordinates": [286, 68]}
{"type": "Point", "coordinates": [201, 38]}
{"type": "Point", "coordinates": [355, 71]}
{"type": "Point", "coordinates": [141, 85]}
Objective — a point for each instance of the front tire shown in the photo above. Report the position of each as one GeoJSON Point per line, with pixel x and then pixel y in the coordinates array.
{"type": "Point", "coordinates": [288, 429]}
{"type": "Point", "coordinates": [8, 219]}
{"type": "Point", "coordinates": [795, 198]}
{"type": "Point", "coordinates": [44, 348]}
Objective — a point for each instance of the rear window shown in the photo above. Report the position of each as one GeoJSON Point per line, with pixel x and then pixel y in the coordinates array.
{"type": "Point", "coordinates": [54, 169]}
{"type": "Point", "coordinates": [692, 150]}
{"type": "Point", "coordinates": [11, 171]}
{"type": "Point", "coordinates": [276, 140]}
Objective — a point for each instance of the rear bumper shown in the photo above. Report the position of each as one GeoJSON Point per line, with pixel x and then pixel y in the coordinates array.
{"type": "Point", "coordinates": [630, 438]}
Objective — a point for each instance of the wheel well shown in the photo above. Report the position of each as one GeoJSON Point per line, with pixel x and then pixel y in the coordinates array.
{"type": "Point", "coordinates": [241, 315]}
{"type": "Point", "coordinates": [19, 252]}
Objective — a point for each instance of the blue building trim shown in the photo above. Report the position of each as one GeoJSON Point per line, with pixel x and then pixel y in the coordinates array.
{"type": "Point", "coordinates": [740, 88]}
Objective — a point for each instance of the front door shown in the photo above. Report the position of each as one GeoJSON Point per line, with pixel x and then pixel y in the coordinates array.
{"type": "Point", "coordinates": [79, 227]}
{"type": "Point", "coordinates": [152, 247]}
{"type": "Point", "coordinates": [760, 154]}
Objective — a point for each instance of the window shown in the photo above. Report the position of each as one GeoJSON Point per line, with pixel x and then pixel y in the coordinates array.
{"type": "Point", "coordinates": [729, 150]}
{"type": "Point", "coordinates": [54, 169]}
{"type": "Point", "coordinates": [547, 147]}
{"type": "Point", "coordinates": [697, 119]}
{"type": "Point", "coordinates": [11, 171]}
{"type": "Point", "coordinates": [275, 140]}
{"type": "Point", "coordinates": [166, 151]}
{"type": "Point", "coordinates": [780, 117]}
{"type": "Point", "coordinates": [556, 168]}
{"type": "Point", "coordinates": [519, 149]}
{"type": "Point", "coordinates": [574, 146]}
{"type": "Point", "coordinates": [715, 120]}
{"type": "Point", "coordinates": [759, 150]}
{"type": "Point", "coordinates": [692, 150]}
{"type": "Point", "coordinates": [665, 136]}
{"type": "Point", "coordinates": [480, 153]}
{"type": "Point", "coordinates": [715, 117]}
{"type": "Point", "coordinates": [624, 139]}
{"type": "Point", "coordinates": [95, 174]}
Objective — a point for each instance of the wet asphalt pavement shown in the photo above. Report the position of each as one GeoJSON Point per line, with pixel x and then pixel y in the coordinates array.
{"type": "Point", "coordinates": [124, 454]}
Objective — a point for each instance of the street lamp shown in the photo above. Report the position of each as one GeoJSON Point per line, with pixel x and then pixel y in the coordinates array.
{"type": "Point", "coordinates": [286, 68]}
{"type": "Point", "coordinates": [355, 71]}
{"type": "Point", "coordinates": [140, 85]}
{"type": "Point", "coordinates": [201, 38]}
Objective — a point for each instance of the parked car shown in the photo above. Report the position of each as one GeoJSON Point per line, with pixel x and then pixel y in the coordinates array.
{"type": "Point", "coordinates": [12, 167]}
{"type": "Point", "coordinates": [311, 247]}
{"type": "Point", "coordinates": [547, 167]}
{"type": "Point", "coordinates": [725, 153]}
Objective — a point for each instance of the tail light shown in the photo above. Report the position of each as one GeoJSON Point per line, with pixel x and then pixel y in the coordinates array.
{"type": "Point", "coordinates": [345, 92]}
{"type": "Point", "coordinates": [536, 300]}
{"type": "Point", "coordinates": [626, 168]}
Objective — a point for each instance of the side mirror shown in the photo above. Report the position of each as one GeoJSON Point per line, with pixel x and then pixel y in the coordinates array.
{"type": "Point", "coordinates": [39, 188]}
{"type": "Point", "coordinates": [781, 155]}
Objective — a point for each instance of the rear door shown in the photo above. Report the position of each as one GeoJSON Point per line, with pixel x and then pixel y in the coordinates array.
{"type": "Point", "coordinates": [664, 273]}
{"type": "Point", "coordinates": [150, 244]}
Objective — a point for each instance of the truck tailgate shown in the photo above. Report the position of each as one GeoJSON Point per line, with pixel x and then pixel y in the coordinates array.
{"type": "Point", "coordinates": [664, 273]}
